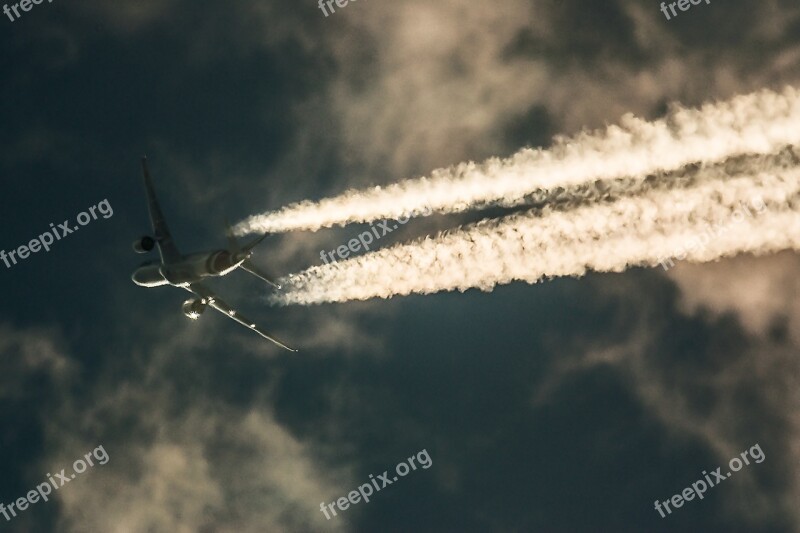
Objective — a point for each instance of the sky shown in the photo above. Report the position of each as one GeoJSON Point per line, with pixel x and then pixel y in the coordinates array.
{"type": "Point", "coordinates": [568, 405]}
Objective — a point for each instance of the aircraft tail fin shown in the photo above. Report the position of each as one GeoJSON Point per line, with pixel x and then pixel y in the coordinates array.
{"type": "Point", "coordinates": [166, 246]}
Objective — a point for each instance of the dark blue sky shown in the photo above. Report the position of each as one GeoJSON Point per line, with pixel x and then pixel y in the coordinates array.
{"type": "Point", "coordinates": [568, 405]}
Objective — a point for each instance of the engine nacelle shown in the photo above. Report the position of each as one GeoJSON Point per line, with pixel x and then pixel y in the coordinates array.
{"type": "Point", "coordinates": [193, 308]}
{"type": "Point", "coordinates": [142, 245]}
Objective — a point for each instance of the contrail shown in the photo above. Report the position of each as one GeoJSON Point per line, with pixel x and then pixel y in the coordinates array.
{"type": "Point", "coordinates": [644, 229]}
{"type": "Point", "coordinates": [757, 123]}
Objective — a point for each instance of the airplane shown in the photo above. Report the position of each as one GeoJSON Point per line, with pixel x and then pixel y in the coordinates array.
{"type": "Point", "coordinates": [189, 271]}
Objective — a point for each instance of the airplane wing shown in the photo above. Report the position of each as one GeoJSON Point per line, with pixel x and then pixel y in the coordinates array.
{"type": "Point", "coordinates": [166, 247]}
{"type": "Point", "coordinates": [212, 300]}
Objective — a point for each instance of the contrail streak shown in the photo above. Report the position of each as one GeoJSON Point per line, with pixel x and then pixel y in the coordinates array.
{"type": "Point", "coordinates": [758, 123]}
{"type": "Point", "coordinates": [639, 230]}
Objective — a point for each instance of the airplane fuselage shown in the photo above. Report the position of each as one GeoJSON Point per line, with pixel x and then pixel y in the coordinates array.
{"type": "Point", "coordinates": [189, 269]}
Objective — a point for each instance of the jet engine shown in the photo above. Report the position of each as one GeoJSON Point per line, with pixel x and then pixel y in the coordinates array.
{"type": "Point", "coordinates": [142, 245]}
{"type": "Point", "coordinates": [193, 308]}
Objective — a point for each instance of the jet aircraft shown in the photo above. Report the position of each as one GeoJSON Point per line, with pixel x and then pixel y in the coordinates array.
{"type": "Point", "coordinates": [189, 271]}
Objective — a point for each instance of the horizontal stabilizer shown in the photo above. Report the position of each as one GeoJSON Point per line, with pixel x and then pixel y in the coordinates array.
{"type": "Point", "coordinates": [253, 269]}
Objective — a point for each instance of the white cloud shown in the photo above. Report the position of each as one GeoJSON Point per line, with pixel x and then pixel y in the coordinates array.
{"type": "Point", "coordinates": [761, 291]}
{"type": "Point", "coordinates": [182, 458]}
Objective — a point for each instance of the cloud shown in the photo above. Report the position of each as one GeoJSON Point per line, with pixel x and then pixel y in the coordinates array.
{"type": "Point", "coordinates": [213, 469]}
{"type": "Point", "coordinates": [32, 359]}
{"type": "Point", "coordinates": [416, 86]}
{"type": "Point", "coordinates": [720, 387]}
{"type": "Point", "coordinates": [763, 292]}
{"type": "Point", "coordinates": [183, 455]}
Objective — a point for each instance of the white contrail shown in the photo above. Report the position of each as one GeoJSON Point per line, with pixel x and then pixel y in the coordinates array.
{"type": "Point", "coordinates": [758, 123]}
{"type": "Point", "coordinates": [638, 230]}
